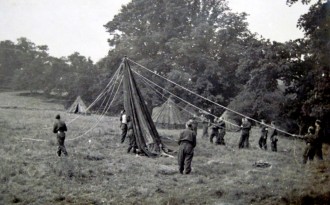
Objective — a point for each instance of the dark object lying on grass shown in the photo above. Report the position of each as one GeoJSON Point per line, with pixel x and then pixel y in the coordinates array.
{"type": "Point", "coordinates": [261, 164]}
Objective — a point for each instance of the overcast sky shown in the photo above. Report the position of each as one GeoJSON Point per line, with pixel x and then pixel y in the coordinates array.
{"type": "Point", "coordinates": [67, 26]}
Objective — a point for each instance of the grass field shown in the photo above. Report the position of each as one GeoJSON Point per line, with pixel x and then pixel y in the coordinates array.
{"type": "Point", "coordinates": [99, 171]}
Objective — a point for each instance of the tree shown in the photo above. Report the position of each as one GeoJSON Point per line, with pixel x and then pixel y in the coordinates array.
{"type": "Point", "coordinates": [197, 38]}
{"type": "Point", "coordinates": [9, 62]}
{"type": "Point", "coordinates": [308, 77]}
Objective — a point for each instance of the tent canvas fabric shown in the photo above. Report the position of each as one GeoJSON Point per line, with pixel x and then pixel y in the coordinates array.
{"type": "Point", "coordinates": [168, 115]}
{"type": "Point", "coordinates": [78, 106]}
{"type": "Point", "coordinates": [144, 129]}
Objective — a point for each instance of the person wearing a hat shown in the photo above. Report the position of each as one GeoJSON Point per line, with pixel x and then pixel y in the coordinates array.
{"type": "Point", "coordinates": [60, 129]}
{"type": "Point", "coordinates": [187, 142]}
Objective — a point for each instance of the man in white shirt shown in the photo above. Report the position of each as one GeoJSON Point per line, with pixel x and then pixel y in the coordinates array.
{"type": "Point", "coordinates": [123, 125]}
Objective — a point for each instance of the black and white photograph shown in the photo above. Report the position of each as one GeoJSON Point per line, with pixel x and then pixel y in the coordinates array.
{"type": "Point", "coordinates": [165, 102]}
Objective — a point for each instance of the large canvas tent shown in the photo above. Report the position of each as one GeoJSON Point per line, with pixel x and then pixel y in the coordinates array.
{"type": "Point", "coordinates": [78, 106]}
{"type": "Point", "coordinates": [168, 116]}
{"type": "Point", "coordinates": [144, 129]}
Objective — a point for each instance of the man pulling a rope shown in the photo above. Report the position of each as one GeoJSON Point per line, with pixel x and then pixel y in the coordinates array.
{"type": "Point", "coordinates": [187, 142]}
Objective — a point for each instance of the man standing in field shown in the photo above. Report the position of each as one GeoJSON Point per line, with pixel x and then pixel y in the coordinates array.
{"type": "Point", "coordinates": [263, 136]}
{"type": "Point", "coordinates": [273, 137]}
{"type": "Point", "coordinates": [222, 132]}
{"type": "Point", "coordinates": [123, 126]}
{"type": "Point", "coordinates": [245, 127]}
{"type": "Point", "coordinates": [309, 151]}
{"type": "Point", "coordinates": [187, 142]}
{"type": "Point", "coordinates": [130, 135]}
{"type": "Point", "coordinates": [60, 129]}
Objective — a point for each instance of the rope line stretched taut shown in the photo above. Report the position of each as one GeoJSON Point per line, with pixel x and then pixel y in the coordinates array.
{"type": "Point", "coordinates": [101, 117]}
{"type": "Point", "coordinates": [187, 111]}
{"type": "Point", "coordinates": [181, 98]}
{"type": "Point", "coordinates": [111, 91]}
{"type": "Point", "coordinates": [103, 92]}
{"type": "Point", "coordinates": [224, 107]}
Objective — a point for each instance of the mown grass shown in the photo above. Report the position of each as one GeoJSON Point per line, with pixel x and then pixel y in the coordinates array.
{"type": "Point", "coordinates": [100, 171]}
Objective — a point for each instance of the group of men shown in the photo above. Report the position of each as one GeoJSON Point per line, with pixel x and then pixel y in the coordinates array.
{"type": "Point", "coordinates": [187, 138]}
{"type": "Point", "coordinates": [265, 130]}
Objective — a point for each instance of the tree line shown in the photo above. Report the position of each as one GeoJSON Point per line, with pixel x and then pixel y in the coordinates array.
{"type": "Point", "coordinates": [203, 46]}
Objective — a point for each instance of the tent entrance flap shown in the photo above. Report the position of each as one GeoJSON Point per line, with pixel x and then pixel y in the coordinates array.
{"type": "Point", "coordinates": [146, 135]}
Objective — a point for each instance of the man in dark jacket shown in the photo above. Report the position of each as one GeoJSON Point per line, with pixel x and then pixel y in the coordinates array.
{"type": "Point", "coordinates": [273, 137]}
{"type": "Point", "coordinates": [309, 151]}
{"type": "Point", "coordinates": [187, 142]}
{"type": "Point", "coordinates": [214, 130]}
{"type": "Point", "coordinates": [60, 129]}
{"type": "Point", "coordinates": [130, 135]}
{"type": "Point", "coordinates": [263, 136]}
{"type": "Point", "coordinates": [245, 127]}
{"type": "Point", "coordinates": [222, 132]}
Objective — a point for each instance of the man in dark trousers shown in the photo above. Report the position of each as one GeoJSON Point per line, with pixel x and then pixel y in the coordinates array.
{"type": "Point", "coordinates": [245, 127]}
{"type": "Point", "coordinates": [273, 137]}
{"type": "Point", "coordinates": [309, 151]}
{"type": "Point", "coordinates": [263, 136]}
{"type": "Point", "coordinates": [187, 142]}
{"type": "Point", "coordinates": [215, 130]}
{"type": "Point", "coordinates": [130, 135]}
{"type": "Point", "coordinates": [60, 129]}
{"type": "Point", "coordinates": [123, 126]}
{"type": "Point", "coordinates": [222, 132]}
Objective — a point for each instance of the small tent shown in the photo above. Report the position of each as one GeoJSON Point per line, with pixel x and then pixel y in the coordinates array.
{"type": "Point", "coordinates": [168, 116]}
{"type": "Point", "coordinates": [78, 106]}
